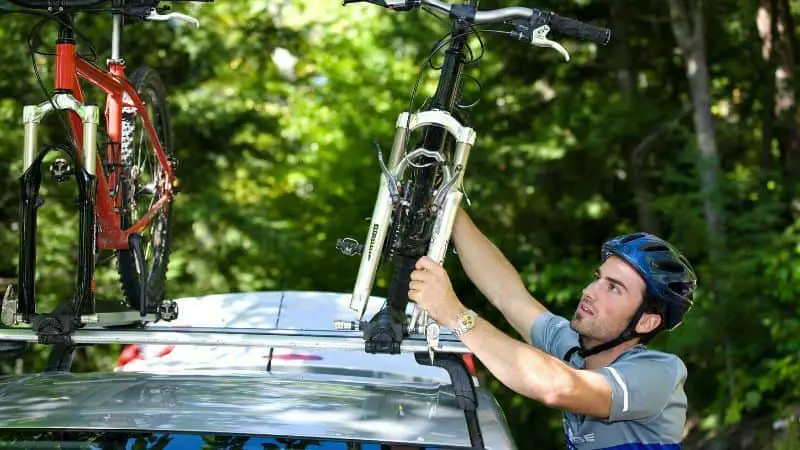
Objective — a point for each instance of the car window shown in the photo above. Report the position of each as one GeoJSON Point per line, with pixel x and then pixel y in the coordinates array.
{"type": "Point", "coordinates": [134, 440]}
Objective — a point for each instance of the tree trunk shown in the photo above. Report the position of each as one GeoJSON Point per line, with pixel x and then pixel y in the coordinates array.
{"type": "Point", "coordinates": [766, 23]}
{"type": "Point", "coordinates": [622, 49]}
{"type": "Point", "coordinates": [774, 23]}
{"type": "Point", "coordinates": [626, 79]}
{"type": "Point", "coordinates": [786, 104]}
{"type": "Point", "coordinates": [687, 21]}
{"type": "Point", "coordinates": [689, 29]}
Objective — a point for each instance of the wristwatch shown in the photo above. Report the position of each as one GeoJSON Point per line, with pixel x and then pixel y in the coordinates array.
{"type": "Point", "coordinates": [465, 322]}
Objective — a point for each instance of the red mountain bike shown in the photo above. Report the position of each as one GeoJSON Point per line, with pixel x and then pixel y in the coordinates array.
{"type": "Point", "coordinates": [125, 177]}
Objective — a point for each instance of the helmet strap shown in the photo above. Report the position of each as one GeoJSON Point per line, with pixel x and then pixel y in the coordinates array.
{"type": "Point", "coordinates": [627, 334]}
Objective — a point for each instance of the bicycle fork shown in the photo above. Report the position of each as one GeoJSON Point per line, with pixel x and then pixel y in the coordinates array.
{"type": "Point", "coordinates": [53, 326]}
{"type": "Point", "coordinates": [448, 197]}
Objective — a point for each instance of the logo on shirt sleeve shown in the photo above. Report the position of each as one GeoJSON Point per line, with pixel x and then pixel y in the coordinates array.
{"type": "Point", "coordinates": [572, 439]}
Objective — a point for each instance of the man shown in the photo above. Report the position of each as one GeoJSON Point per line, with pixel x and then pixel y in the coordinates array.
{"type": "Point", "coordinates": [614, 392]}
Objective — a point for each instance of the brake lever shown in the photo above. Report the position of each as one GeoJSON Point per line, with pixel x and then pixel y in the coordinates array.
{"type": "Point", "coordinates": [155, 15]}
{"type": "Point", "coordinates": [391, 180]}
{"type": "Point", "coordinates": [537, 36]}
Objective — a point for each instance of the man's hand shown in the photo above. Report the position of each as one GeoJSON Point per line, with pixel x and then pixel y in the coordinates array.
{"type": "Point", "coordinates": [430, 288]}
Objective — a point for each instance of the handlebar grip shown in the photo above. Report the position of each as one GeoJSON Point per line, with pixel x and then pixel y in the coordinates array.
{"type": "Point", "coordinates": [580, 30]}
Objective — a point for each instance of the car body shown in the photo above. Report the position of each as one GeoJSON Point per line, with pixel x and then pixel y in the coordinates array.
{"type": "Point", "coordinates": [190, 396]}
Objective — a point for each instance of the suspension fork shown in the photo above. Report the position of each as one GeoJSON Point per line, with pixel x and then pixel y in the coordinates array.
{"type": "Point", "coordinates": [446, 201]}
{"type": "Point", "coordinates": [379, 224]}
{"type": "Point", "coordinates": [30, 182]}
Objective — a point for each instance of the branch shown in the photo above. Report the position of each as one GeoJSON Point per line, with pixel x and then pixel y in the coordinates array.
{"type": "Point", "coordinates": [698, 27]}
{"type": "Point", "coordinates": [679, 20]}
{"type": "Point", "coordinates": [641, 149]}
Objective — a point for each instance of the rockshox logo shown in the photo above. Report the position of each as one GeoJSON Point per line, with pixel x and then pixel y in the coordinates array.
{"type": "Point", "coordinates": [372, 240]}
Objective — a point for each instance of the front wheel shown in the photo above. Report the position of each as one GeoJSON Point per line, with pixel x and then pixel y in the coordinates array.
{"type": "Point", "coordinates": [409, 239]}
{"type": "Point", "coordinates": [142, 185]}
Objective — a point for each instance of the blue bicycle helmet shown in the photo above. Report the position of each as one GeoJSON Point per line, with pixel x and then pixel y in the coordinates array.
{"type": "Point", "coordinates": [669, 277]}
{"type": "Point", "coordinates": [670, 284]}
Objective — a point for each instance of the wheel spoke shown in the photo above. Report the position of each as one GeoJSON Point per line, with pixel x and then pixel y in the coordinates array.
{"type": "Point", "coordinates": [143, 189]}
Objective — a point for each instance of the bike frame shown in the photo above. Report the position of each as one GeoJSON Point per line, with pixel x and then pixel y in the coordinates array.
{"type": "Point", "coordinates": [439, 125]}
{"type": "Point", "coordinates": [100, 203]}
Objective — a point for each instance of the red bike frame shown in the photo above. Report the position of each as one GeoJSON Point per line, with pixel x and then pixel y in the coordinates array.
{"type": "Point", "coordinates": [70, 69]}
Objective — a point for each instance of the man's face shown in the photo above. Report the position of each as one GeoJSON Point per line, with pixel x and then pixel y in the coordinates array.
{"type": "Point", "coordinates": [609, 302]}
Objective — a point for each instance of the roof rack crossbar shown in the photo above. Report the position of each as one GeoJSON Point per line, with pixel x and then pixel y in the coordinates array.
{"type": "Point", "coordinates": [237, 337]}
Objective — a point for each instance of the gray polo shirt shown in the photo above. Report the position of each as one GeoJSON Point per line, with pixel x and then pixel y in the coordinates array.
{"type": "Point", "coordinates": [648, 404]}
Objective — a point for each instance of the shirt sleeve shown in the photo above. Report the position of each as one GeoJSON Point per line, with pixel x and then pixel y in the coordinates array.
{"type": "Point", "coordinates": [643, 383]}
{"type": "Point", "coordinates": [553, 335]}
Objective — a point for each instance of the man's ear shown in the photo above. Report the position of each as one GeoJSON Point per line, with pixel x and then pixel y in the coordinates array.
{"type": "Point", "coordinates": [648, 322]}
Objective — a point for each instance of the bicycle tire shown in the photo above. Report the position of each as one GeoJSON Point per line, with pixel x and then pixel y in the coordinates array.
{"type": "Point", "coordinates": [423, 181]}
{"type": "Point", "coordinates": [157, 245]}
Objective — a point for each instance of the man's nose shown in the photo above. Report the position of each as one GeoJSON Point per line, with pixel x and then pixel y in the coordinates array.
{"type": "Point", "coordinates": [589, 291]}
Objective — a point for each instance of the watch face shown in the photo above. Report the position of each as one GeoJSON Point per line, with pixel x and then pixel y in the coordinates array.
{"type": "Point", "coordinates": [468, 320]}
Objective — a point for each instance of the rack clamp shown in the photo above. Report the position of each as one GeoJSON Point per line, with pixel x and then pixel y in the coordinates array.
{"type": "Point", "coordinates": [55, 327]}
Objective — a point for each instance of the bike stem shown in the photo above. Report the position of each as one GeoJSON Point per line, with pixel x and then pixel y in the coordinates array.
{"type": "Point", "coordinates": [449, 86]}
{"type": "Point", "coordinates": [65, 58]}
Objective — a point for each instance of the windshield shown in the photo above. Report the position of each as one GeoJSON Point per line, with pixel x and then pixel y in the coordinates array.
{"type": "Point", "coordinates": [134, 440]}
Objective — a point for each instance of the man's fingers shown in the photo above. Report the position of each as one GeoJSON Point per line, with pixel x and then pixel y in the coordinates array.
{"type": "Point", "coordinates": [415, 285]}
{"type": "Point", "coordinates": [421, 275]}
{"type": "Point", "coordinates": [426, 263]}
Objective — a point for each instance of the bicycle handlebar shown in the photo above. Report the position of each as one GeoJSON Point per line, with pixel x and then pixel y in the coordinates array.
{"type": "Point", "coordinates": [475, 16]}
{"type": "Point", "coordinates": [537, 18]}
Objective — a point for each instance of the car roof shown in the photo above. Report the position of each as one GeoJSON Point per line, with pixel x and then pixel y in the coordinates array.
{"type": "Point", "coordinates": [288, 309]}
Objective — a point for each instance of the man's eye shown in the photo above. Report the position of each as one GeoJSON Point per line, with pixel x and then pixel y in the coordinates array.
{"type": "Point", "coordinates": [613, 288]}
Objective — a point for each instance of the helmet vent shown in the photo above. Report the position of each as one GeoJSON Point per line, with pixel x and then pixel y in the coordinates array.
{"type": "Point", "coordinates": [670, 266]}
{"type": "Point", "coordinates": [681, 289]}
{"type": "Point", "coordinates": [632, 237]}
{"type": "Point", "coordinates": [655, 247]}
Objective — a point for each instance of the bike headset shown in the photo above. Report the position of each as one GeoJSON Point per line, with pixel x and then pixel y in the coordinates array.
{"type": "Point", "coordinates": [670, 285]}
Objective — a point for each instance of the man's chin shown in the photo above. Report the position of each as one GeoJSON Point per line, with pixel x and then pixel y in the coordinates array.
{"type": "Point", "coordinates": [580, 323]}
{"type": "Point", "coordinates": [576, 323]}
